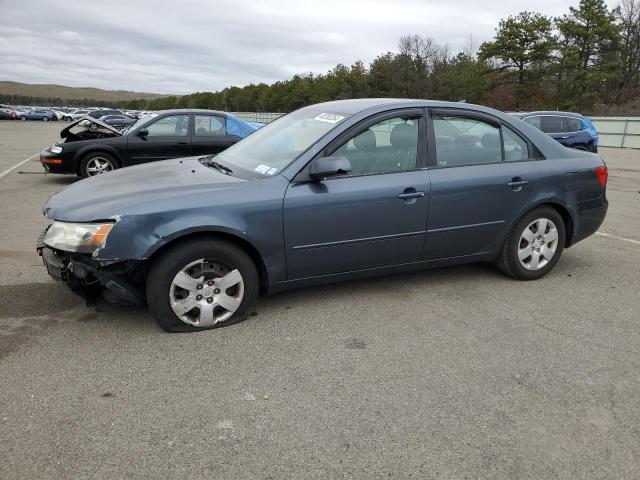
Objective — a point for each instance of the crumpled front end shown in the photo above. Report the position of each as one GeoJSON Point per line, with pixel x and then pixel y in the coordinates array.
{"type": "Point", "coordinates": [117, 282]}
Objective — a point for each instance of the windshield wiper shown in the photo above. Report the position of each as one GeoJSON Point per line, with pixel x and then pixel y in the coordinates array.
{"type": "Point", "coordinates": [210, 162]}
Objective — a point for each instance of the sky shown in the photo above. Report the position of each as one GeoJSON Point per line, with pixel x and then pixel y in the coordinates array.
{"type": "Point", "coordinates": [184, 46]}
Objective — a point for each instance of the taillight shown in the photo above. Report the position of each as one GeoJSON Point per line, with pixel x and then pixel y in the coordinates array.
{"type": "Point", "coordinates": [602, 173]}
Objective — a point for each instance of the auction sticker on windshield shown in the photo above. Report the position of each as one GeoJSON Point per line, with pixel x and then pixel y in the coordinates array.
{"type": "Point", "coordinates": [329, 117]}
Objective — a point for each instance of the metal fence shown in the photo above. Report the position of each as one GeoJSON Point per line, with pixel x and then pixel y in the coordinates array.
{"type": "Point", "coordinates": [618, 131]}
{"type": "Point", "coordinates": [262, 117]}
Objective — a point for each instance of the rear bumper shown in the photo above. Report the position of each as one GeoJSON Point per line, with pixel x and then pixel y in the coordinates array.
{"type": "Point", "coordinates": [587, 220]}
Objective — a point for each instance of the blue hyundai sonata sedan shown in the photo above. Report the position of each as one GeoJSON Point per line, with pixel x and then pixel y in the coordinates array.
{"type": "Point", "coordinates": [334, 191]}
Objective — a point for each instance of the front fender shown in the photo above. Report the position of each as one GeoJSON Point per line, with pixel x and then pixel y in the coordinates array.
{"type": "Point", "coordinates": [94, 148]}
{"type": "Point", "coordinates": [137, 237]}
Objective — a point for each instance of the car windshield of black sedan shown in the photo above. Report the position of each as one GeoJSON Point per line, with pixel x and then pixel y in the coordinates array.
{"type": "Point", "coordinates": [273, 147]}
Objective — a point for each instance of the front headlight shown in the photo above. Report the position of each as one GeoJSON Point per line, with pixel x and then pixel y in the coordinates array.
{"type": "Point", "coordinates": [77, 237]}
{"type": "Point", "coordinates": [55, 149]}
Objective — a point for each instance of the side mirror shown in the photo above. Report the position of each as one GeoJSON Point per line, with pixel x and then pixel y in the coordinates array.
{"type": "Point", "coordinates": [143, 133]}
{"type": "Point", "coordinates": [328, 166]}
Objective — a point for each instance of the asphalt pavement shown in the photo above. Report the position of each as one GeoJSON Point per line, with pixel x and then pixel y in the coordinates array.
{"type": "Point", "coordinates": [451, 373]}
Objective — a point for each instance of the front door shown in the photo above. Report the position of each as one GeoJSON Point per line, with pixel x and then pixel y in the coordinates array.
{"type": "Point", "coordinates": [372, 217]}
{"type": "Point", "coordinates": [167, 137]}
{"type": "Point", "coordinates": [483, 179]}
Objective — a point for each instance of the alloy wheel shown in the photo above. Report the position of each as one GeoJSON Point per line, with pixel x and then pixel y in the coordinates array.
{"type": "Point", "coordinates": [538, 244]}
{"type": "Point", "coordinates": [206, 292]}
{"type": "Point", "coordinates": [98, 165]}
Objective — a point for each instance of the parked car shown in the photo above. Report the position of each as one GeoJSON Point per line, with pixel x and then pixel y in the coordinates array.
{"type": "Point", "coordinates": [570, 129]}
{"type": "Point", "coordinates": [78, 114]}
{"type": "Point", "coordinates": [91, 146]}
{"type": "Point", "coordinates": [334, 191]}
{"type": "Point", "coordinates": [103, 112]}
{"type": "Point", "coordinates": [5, 115]}
{"type": "Point", "coordinates": [118, 121]}
{"type": "Point", "coordinates": [44, 115]}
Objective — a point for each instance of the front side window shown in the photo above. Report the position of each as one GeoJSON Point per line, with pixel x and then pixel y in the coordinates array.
{"type": "Point", "coordinates": [171, 126]}
{"type": "Point", "coordinates": [388, 146]}
{"type": "Point", "coordinates": [466, 141]}
{"type": "Point", "coordinates": [209, 126]}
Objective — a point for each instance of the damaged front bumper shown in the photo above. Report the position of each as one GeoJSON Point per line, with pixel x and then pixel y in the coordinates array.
{"type": "Point", "coordinates": [117, 282]}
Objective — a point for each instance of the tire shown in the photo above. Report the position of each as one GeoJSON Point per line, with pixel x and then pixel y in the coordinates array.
{"type": "Point", "coordinates": [92, 161]}
{"type": "Point", "coordinates": [45, 119]}
{"type": "Point", "coordinates": [23, 118]}
{"type": "Point", "coordinates": [544, 252]}
{"type": "Point", "coordinates": [161, 289]}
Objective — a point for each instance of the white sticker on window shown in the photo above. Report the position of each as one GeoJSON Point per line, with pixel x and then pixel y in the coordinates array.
{"type": "Point", "coordinates": [262, 168]}
{"type": "Point", "coordinates": [271, 171]}
{"type": "Point", "coordinates": [329, 117]}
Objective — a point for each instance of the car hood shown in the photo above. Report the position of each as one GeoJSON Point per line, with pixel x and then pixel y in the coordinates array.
{"type": "Point", "coordinates": [89, 120]}
{"type": "Point", "coordinates": [138, 190]}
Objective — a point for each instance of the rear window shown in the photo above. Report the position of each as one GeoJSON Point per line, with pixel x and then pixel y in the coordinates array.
{"type": "Point", "coordinates": [547, 123]}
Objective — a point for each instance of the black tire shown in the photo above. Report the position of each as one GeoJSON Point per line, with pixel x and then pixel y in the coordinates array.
{"type": "Point", "coordinates": [84, 173]}
{"type": "Point", "coordinates": [23, 118]}
{"type": "Point", "coordinates": [45, 119]}
{"type": "Point", "coordinates": [508, 261]}
{"type": "Point", "coordinates": [169, 263]}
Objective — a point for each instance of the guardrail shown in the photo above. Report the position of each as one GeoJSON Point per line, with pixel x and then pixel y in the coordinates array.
{"type": "Point", "coordinates": [621, 132]}
{"type": "Point", "coordinates": [262, 117]}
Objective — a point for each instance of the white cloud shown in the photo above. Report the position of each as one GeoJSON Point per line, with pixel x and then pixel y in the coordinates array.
{"type": "Point", "coordinates": [197, 45]}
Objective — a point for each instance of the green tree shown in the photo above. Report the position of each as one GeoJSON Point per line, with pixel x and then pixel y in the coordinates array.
{"type": "Point", "coordinates": [522, 50]}
{"type": "Point", "coordinates": [589, 54]}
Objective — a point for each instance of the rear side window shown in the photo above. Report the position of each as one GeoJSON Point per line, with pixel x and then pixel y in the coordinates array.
{"type": "Point", "coordinates": [515, 148]}
{"type": "Point", "coordinates": [574, 124]}
{"type": "Point", "coordinates": [209, 126]}
{"type": "Point", "coordinates": [466, 141]}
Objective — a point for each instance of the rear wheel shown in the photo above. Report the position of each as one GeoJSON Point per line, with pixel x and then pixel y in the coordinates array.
{"type": "Point", "coordinates": [534, 245]}
{"type": "Point", "coordinates": [45, 119]}
{"type": "Point", "coordinates": [97, 163]}
{"type": "Point", "coordinates": [201, 284]}
{"type": "Point", "coordinates": [23, 118]}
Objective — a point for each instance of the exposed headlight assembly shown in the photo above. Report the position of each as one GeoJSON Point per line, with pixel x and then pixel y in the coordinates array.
{"type": "Point", "coordinates": [77, 237]}
{"type": "Point", "coordinates": [55, 149]}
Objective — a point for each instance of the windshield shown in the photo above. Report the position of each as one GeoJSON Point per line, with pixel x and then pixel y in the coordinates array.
{"type": "Point", "coordinates": [273, 147]}
{"type": "Point", "coordinates": [140, 122]}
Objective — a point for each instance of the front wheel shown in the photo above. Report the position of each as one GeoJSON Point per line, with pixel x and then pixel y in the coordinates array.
{"type": "Point", "coordinates": [96, 164]}
{"type": "Point", "coordinates": [201, 284]}
{"type": "Point", "coordinates": [534, 245]}
{"type": "Point", "coordinates": [45, 119]}
{"type": "Point", "coordinates": [23, 118]}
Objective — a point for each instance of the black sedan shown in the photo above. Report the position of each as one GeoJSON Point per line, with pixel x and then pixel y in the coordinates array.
{"type": "Point", "coordinates": [90, 146]}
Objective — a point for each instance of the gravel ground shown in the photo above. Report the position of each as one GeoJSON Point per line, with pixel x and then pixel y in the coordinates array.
{"type": "Point", "coordinates": [450, 373]}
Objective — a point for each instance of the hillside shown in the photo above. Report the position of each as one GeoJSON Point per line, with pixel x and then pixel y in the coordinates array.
{"type": "Point", "coordinates": [72, 93]}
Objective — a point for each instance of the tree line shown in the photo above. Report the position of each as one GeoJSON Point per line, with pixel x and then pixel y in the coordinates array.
{"type": "Point", "coordinates": [583, 61]}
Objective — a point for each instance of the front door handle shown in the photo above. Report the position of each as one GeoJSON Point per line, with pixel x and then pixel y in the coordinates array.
{"type": "Point", "coordinates": [517, 183]}
{"type": "Point", "coordinates": [406, 195]}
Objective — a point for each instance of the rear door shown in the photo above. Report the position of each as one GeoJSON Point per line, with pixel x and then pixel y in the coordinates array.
{"type": "Point", "coordinates": [167, 137]}
{"type": "Point", "coordinates": [210, 135]}
{"type": "Point", "coordinates": [482, 178]}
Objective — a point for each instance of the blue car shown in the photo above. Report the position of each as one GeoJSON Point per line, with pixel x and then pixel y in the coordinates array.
{"type": "Point", "coordinates": [570, 129]}
{"type": "Point", "coordinates": [44, 115]}
{"type": "Point", "coordinates": [334, 191]}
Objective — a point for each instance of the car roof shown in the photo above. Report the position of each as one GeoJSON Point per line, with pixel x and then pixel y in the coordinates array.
{"type": "Point", "coordinates": [187, 111]}
{"type": "Point", "coordinates": [547, 112]}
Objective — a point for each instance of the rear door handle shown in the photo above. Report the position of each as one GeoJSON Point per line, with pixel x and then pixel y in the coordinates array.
{"type": "Point", "coordinates": [517, 183]}
{"type": "Point", "coordinates": [404, 196]}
